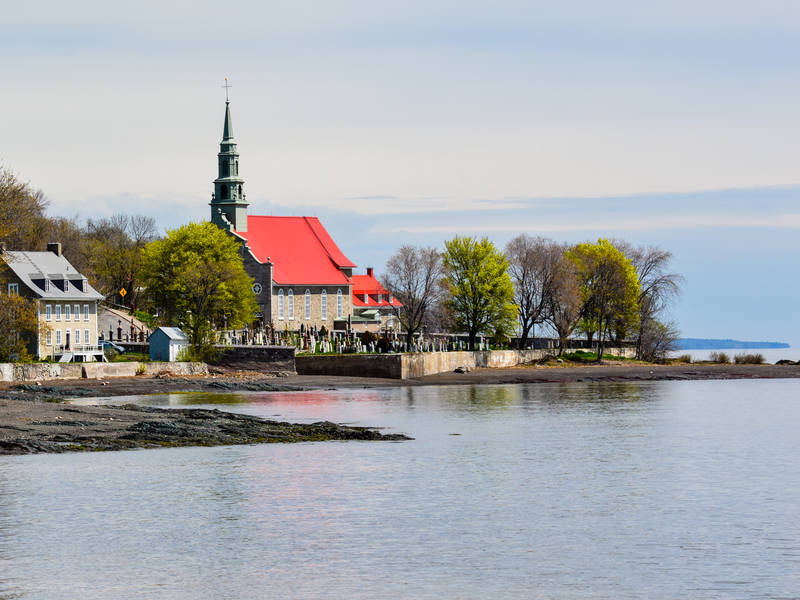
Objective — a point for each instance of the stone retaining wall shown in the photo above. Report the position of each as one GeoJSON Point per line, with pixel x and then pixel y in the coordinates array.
{"type": "Point", "coordinates": [175, 368]}
{"type": "Point", "coordinates": [353, 365]}
{"type": "Point", "coordinates": [263, 359]}
{"type": "Point", "coordinates": [418, 364]}
{"type": "Point", "coordinates": [51, 371]}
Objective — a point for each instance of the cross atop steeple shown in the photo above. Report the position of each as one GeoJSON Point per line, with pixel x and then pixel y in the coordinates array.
{"type": "Point", "coordinates": [226, 86]}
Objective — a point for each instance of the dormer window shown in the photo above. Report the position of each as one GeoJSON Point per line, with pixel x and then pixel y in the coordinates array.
{"type": "Point", "coordinates": [366, 298]}
{"type": "Point", "coordinates": [390, 298]}
{"type": "Point", "coordinates": [66, 284]}
{"type": "Point", "coordinates": [380, 298]}
{"type": "Point", "coordinates": [46, 285]}
{"type": "Point", "coordinates": [84, 285]}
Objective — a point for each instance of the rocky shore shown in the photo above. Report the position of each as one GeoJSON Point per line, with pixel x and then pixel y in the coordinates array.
{"type": "Point", "coordinates": [38, 418]}
{"type": "Point", "coordinates": [28, 427]}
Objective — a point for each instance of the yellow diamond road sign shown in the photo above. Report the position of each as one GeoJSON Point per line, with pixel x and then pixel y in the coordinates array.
{"type": "Point", "coordinates": [122, 292]}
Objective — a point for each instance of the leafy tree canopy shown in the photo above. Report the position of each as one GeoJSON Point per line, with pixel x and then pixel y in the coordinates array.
{"type": "Point", "coordinates": [481, 290]}
{"type": "Point", "coordinates": [195, 277]}
{"type": "Point", "coordinates": [610, 289]}
{"type": "Point", "coordinates": [18, 328]}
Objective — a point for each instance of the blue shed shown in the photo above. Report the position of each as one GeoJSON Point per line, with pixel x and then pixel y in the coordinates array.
{"type": "Point", "coordinates": [166, 342]}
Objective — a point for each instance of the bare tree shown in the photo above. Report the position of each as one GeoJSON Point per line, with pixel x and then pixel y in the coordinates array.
{"type": "Point", "coordinates": [23, 223]}
{"type": "Point", "coordinates": [658, 287]}
{"type": "Point", "coordinates": [532, 264]}
{"type": "Point", "coordinates": [565, 299]}
{"type": "Point", "coordinates": [413, 275]}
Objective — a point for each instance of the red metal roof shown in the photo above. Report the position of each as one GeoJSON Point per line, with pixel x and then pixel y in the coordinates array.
{"type": "Point", "coordinates": [300, 249]}
{"type": "Point", "coordinates": [367, 284]}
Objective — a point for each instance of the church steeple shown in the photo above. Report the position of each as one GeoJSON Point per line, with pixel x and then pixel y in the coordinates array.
{"type": "Point", "coordinates": [228, 202]}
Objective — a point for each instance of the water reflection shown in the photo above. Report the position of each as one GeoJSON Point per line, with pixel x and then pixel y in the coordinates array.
{"type": "Point", "coordinates": [603, 490]}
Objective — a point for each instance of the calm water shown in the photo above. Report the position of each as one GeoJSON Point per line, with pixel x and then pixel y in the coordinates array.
{"type": "Point", "coordinates": [651, 490]}
{"type": "Point", "coordinates": [771, 355]}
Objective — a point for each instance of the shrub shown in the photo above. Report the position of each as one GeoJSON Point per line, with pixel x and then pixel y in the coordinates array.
{"type": "Point", "coordinates": [719, 357]}
{"type": "Point", "coordinates": [368, 337]}
{"type": "Point", "coordinates": [684, 358]}
{"type": "Point", "coordinates": [749, 359]}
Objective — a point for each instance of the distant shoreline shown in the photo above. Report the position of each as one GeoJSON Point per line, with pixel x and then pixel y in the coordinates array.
{"type": "Point", "coordinates": [717, 344]}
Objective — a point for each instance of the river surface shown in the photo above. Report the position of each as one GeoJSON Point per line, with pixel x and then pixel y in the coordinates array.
{"type": "Point", "coordinates": [682, 489]}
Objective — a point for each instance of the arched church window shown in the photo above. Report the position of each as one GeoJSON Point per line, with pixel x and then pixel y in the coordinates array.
{"type": "Point", "coordinates": [226, 168]}
{"type": "Point", "coordinates": [290, 302]}
{"type": "Point", "coordinates": [223, 192]}
{"type": "Point", "coordinates": [308, 304]}
{"type": "Point", "coordinates": [280, 305]}
{"type": "Point", "coordinates": [324, 305]}
{"type": "Point", "coordinates": [339, 307]}
{"type": "Point", "coordinates": [240, 191]}
{"type": "Point", "coordinates": [236, 168]}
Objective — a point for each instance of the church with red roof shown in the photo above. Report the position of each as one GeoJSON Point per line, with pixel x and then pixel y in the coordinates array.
{"type": "Point", "coordinates": [302, 278]}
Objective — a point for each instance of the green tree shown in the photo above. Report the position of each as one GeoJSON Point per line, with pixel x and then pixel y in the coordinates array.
{"type": "Point", "coordinates": [19, 325]}
{"type": "Point", "coordinates": [609, 287]}
{"type": "Point", "coordinates": [195, 277]}
{"type": "Point", "coordinates": [481, 290]}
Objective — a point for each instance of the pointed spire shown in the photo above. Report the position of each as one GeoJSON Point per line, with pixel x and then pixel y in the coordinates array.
{"type": "Point", "coordinates": [227, 130]}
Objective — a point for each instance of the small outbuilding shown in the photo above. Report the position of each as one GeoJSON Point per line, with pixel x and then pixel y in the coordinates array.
{"type": "Point", "coordinates": [166, 342]}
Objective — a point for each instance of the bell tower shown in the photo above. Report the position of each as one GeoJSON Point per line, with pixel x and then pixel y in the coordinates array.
{"type": "Point", "coordinates": [228, 202]}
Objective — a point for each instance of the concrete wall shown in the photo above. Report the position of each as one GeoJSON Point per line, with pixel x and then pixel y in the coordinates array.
{"type": "Point", "coordinates": [416, 364]}
{"type": "Point", "coordinates": [39, 371]}
{"type": "Point", "coordinates": [176, 368]}
{"type": "Point", "coordinates": [354, 365]}
{"type": "Point", "coordinates": [115, 369]}
{"type": "Point", "coordinates": [263, 359]}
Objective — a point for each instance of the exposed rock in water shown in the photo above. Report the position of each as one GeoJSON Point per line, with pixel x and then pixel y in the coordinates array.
{"type": "Point", "coordinates": [787, 362]}
{"type": "Point", "coordinates": [131, 426]}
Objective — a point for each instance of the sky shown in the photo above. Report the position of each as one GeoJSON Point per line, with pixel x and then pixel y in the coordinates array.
{"type": "Point", "coordinates": [670, 124]}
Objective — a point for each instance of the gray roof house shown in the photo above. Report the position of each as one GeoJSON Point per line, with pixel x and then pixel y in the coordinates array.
{"type": "Point", "coordinates": [67, 304]}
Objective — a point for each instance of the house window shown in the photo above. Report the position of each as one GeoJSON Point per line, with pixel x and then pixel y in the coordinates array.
{"type": "Point", "coordinates": [380, 298]}
{"type": "Point", "coordinates": [339, 308]}
{"type": "Point", "coordinates": [390, 298]}
{"type": "Point", "coordinates": [49, 338]}
{"type": "Point", "coordinates": [46, 285]}
{"type": "Point", "coordinates": [67, 312]}
{"type": "Point", "coordinates": [280, 304]}
{"type": "Point", "coordinates": [85, 312]}
{"type": "Point", "coordinates": [48, 312]}
{"type": "Point", "coordinates": [366, 298]}
{"type": "Point", "coordinates": [324, 305]}
{"type": "Point", "coordinates": [308, 304]}
{"type": "Point", "coordinates": [389, 321]}
{"type": "Point", "coordinates": [86, 337]}
{"type": "Point", "coordinates": [290, 302]}
{"type": "Point", "coordinates": [58, 337]}
{"type": "Point", "coordinates": [13, 288]}
{"type": "Point", "coordinates": [77, 336]}
{"type": "Point", "coordinates": [84, 285]}
{"type": "Point", "coordinates": [76, 310]}
{"type": "Point", "coordinates": [66, 284]}
{"type": "Point", "coordinates": [58, 312]}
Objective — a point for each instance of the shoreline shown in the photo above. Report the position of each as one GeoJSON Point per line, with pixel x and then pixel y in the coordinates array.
{"type": "Point", "coordinates": [37, 418]}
